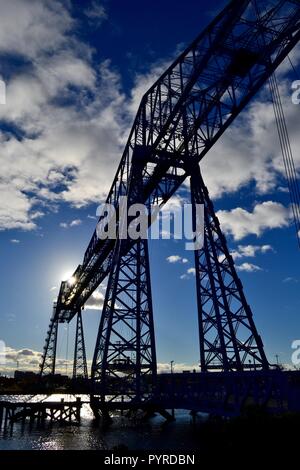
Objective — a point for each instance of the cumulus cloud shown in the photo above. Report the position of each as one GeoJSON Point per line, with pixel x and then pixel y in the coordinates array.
{"type": "Point", "coordinates": [249, 151]}
{"type": "Point", "coordinates": [165, 367]}
{"type": "Point", "coordinates": [73, 223]}
{"type": "Point", "coordinates": [95, 302]}
{"type": "Point", "coordinates": [268, 215]}
{"type": "Point", "coordinates": [16, 210]}
{"type": "Point", "coordinates": [248, 267]}
{"type": "Point", "coordinates": [26, 352]}
{"type": "Point", "coordinates": [176, 259]}
{"type": "Point", "coordinates": [29, 360]}
{"type": "Point", "coordinates": [144, 81]}
{"type": "Point", "coordinates": [191, 271]}
{"type": "Point", "coordinates": [250, 251]}
{"type": "Point", "coordinates": [64, 153]}
{"type": "Point", "coordinates": [23, 358]}
{"type": "Point", "coordinates": [35, 23]}
{"type": "Point", "coordinates": [188, 274]}
{"type": "Point", "coordinates": [65, 111]}
{"type": "Point", "coordinates": [71, 117]}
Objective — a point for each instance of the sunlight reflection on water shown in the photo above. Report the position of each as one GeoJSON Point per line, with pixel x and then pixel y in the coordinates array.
{"type": "Point", "coordinates": [152, 434]}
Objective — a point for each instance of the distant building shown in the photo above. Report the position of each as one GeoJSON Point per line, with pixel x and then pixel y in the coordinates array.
{"type": "Point", "coordinates": [27, 376]}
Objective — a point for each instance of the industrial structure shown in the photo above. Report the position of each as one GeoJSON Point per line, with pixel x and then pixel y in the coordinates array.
{"type": "Point", "coordinates": [179, 120]}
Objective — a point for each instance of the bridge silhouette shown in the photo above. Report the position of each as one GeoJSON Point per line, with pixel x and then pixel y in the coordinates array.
{"type": "Point", "coordinates": [179, 120]}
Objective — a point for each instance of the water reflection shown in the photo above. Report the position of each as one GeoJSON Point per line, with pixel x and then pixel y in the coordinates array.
{"type": "Point", "coordinates": [134, 434]}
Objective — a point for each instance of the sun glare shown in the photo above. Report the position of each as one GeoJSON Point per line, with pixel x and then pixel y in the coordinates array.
{"type": "Point", "coordinates": [69, 278]}
{"type": "Point", "coordinates": [71, 281]}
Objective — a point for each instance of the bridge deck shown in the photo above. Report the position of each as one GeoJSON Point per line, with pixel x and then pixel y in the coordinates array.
{"type": "Point", "coordinates": [214, 392]}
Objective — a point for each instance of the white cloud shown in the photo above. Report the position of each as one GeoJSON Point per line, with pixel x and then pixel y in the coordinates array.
{"type": "Point", "coordinates": [188, 274]}
{"type": "Point", "coordinates": [291, 280]}
{"type": "Point", "coordinates": [248, 267]}
{"type": "Point", "coordinates": [16, 209]}
{"type": "Point", "coordinates": [191, 271]}
{"type": "Point", "coordinates": [144, 81]}
{"type": "Point", "coordinates": [249, 150]}
{"type": "Point", "coordinates": [76, 146]}
{"type": "Point", "coordinates": [174, 205]}
{"type": "Point", "coordinates": [29, 359]}
{"type": "Point", "coordinates": [177, 259]}
{"type": "Point", "coordinates": [95, 302]}
{"type": "Point", "coordinates": [174, 259]}
{"type": "Point", "coordinates": [267, 215]}
{"type": "Point", "coordinates": [96, 14]}
{"type": "Point", "coordinates": [73, 223]}
{"type": "Point", "coordinates": [74, 118]}
{"type": "Point", "coordinates": [35, 24]}
{"type": "Point", "coordinates": [14, 240]}
{"type": "Point", "coordinates": [250, 251]}
{"type": "Point", "coordinates": [25, 359]}
{"type": "Point", "coordinates": [165, 367]}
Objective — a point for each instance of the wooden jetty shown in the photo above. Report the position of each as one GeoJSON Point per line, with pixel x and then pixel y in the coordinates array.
{"type": "Point", "coordinates": [40, 412]}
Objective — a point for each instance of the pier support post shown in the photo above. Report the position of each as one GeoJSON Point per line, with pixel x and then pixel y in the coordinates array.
{"type": "Point", "coordinates": [1, 416]}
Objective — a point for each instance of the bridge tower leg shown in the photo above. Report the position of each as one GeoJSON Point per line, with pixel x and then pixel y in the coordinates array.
{"type": "Point", "coordinates": [125, 359]}
{"type": "Point", "coordinates": [49, 354]}
{"type": "Point", "coordinates": [79, 364]}
{"type": "Point", "coordinates": [229, 340]}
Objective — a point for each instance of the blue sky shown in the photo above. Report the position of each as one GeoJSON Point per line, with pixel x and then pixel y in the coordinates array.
{"type": "Point", "coordinates": [75, 72]}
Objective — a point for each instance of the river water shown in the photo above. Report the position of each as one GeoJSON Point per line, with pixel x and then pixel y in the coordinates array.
{"type": "Point", "coordinates": [155, 433]}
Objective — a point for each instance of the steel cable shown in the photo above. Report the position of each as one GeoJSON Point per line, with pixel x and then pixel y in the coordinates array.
{"type": "Point", "coordinates": [290, 170]}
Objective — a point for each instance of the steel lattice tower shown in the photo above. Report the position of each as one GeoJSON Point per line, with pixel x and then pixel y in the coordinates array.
{"type": "Point", "coordinates": [125, 349]}
{"type": "Point", "coordinates": [228, 337]}
{"type": "Point", "coordinates": [49, 355]}
{"type": "Point", "coordinates": [79, 364]}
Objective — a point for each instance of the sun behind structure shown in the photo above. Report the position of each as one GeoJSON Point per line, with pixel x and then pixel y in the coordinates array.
{"type": "Point", "coordinates": [69, 278]}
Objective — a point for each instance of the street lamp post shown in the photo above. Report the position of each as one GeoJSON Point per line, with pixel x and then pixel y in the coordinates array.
{"type": "Point", "coordinates": [172, 387]}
